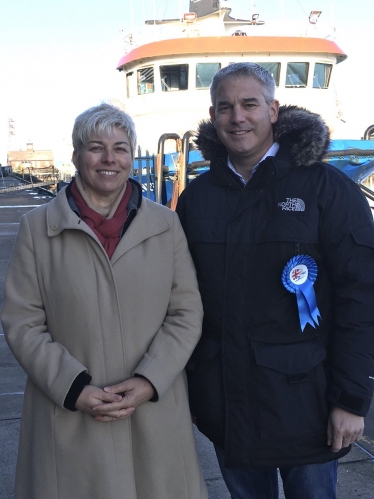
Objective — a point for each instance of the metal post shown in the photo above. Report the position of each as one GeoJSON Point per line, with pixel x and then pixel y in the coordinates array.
{"type": "Point", "coordinates": [184, 165]}
{"type": "Point", "coordinates": [159, 165]}
{"type": "Point", "coordinates": [140, 167]}
{"type": "Point", "coordinates": [32, 183]}
{"type": "Point", "coordinates": [148, 173]}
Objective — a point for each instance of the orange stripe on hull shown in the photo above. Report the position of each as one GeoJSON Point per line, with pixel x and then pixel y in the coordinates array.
{"type": "Point", "coordinates": [231, 45]}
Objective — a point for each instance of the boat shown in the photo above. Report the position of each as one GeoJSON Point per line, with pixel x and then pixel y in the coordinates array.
{"type": "Point", "coordinates": [169, 67]}
{"type": "Point", "coordinates": [167, 79]}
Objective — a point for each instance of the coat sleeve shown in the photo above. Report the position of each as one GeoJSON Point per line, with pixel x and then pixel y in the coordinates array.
{"type": "Point", "coordinates": [347, 238]}
{"type": "Point", "coordinates": [46, 362]}
{"type": "Point", "coordinates": [175, 341]}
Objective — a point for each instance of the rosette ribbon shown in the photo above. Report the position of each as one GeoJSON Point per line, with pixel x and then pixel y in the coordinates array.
{"type": "Point", "coordinates": [298, 277]}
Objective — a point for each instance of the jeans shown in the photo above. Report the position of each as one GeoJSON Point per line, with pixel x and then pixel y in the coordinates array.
{"type": "Point", "coordinates": [311, 481]}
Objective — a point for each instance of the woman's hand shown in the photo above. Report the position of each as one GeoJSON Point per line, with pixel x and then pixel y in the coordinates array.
{"type": "Point", "coordinates": [92, 396]}
{"type": "Point", "coordinates": [133, 392]}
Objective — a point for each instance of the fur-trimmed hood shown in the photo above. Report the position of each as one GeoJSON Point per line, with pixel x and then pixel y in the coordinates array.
{"type": "Point", "coordinates": [304, 133]}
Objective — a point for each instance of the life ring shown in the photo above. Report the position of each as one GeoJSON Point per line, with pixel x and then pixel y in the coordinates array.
{"type": "Point", "coordinates": [369, 133]}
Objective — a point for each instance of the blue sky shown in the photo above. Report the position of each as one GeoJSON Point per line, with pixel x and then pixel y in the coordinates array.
{"type": "Point", "coordinates": [57, 58]}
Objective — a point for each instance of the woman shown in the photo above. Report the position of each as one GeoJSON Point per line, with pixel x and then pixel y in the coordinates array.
{"type": "Point", "coordinates": [102, 311]}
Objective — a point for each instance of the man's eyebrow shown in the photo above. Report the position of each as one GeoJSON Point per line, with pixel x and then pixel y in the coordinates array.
{"type": "Point", "coordinates": [250, 99]}
{"type": "Point", "coordinates": [222, 102]}
{"type": "Point", "coordinates": [246, 100]}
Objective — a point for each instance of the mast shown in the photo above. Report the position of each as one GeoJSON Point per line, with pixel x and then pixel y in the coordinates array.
{"type": "Point", "coordinates": [204, 7]}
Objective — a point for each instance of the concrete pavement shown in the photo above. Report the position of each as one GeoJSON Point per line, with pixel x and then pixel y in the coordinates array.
{"type": "Point", "coordinates": [356, 471]}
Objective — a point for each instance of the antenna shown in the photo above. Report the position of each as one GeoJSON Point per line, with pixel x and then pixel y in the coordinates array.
{"type": "Point", "coordinates": [11, 132]}
{"type": "Point", "coordinates": [253, 7]}
{"type": "Point", "coordinates": [332, 13]}
{"type": "Point", "coordinates": [132, 16]}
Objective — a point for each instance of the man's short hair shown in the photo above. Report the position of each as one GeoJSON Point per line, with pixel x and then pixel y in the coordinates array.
{"type": "Point", "coordinates": [246, 69]}
{"type": "Point", "coordinates": [102, 119]}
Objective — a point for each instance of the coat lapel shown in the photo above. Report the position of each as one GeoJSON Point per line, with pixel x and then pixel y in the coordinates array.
{"type": "Point", "coordinates": [147, 223]}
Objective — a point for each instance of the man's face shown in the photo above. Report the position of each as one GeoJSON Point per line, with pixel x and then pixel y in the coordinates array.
{"type": "Point", "coordinates": [243, 119]}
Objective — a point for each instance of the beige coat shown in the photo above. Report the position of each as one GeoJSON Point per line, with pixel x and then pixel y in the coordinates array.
{"type": "Point", "coordinates": [68, 309]}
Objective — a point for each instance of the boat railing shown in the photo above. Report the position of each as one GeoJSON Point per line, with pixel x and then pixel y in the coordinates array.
{"type": "Point", "coordinates": [355, 158]}
{"type": "Point", "coordinates": [16, 183]}
{"type": "Point", "coordinates": [143, 172]}
{"type": "Point", "coordinates": [162, 169]}
{"type": "Point", "coordinates": [165, 176]}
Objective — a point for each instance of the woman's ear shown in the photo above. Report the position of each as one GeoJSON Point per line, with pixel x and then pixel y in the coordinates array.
{"type": "Point", "coordinates": [74, 159]}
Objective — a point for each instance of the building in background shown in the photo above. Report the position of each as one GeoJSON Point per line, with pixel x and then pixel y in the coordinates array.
{"type": "Point", "coordinates": [31, 161]}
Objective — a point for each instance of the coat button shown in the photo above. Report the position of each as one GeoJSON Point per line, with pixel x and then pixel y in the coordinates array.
{"type": "Point", "coordinates": [54, 227]}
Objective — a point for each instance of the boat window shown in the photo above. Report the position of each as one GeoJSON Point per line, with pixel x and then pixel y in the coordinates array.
{"type": "Point", "coordinates": [205, 72]}
{"type": "Point", "coordinates": [321, 77]}
{"type": "Point", "coordinates": [174, 77]}
{"type": "Point", "coordinates": [297, 74]}
{"type": "Point", "coordinates": [146, 81]}
{"type": "Point", "coordinates": [273, 68]}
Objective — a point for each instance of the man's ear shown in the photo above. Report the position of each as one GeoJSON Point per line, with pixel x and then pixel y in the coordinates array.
{"type": "Point", "coordinates": [274, 110]}
{"type": "Point", "coordinates": [212, 114]}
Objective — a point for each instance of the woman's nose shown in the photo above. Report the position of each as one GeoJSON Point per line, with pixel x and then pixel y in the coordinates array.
{"type": "Point", "coordinates": [108, 156]}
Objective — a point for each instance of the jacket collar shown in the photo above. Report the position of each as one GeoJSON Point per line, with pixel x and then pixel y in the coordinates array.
{"type": "Point", "coordinates": [301, 134]}
{"type": "Point", "coordinates": [62, 214]}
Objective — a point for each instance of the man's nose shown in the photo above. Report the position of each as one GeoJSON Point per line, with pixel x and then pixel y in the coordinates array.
{"type": "Point", "coordinates": [237, 115]}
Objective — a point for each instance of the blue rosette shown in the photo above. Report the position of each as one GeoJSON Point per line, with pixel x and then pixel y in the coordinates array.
{"type": "Point", "coordinates": [298, 276]}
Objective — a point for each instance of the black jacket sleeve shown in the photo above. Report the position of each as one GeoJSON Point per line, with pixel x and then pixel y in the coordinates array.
{"type": "Point", "coordinates": [347, 239]}
{"type": "Point", "coordinates": [76, 388]}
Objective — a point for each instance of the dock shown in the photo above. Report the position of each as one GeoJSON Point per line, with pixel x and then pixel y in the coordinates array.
{"type": "Point", "coordinates": [356, 471]}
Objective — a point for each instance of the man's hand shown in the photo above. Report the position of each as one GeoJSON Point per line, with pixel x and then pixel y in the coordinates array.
{"type": "Point", "coordinates": [344, 428]}
{"type": "Point", "coordinates": [133, 392]}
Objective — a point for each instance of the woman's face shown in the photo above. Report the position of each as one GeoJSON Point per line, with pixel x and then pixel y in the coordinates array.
{"type": "Point", "coordinates": [104, 163]}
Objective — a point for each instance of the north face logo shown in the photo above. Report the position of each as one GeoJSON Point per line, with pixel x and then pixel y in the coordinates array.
{"type": "Point", "coordinates": [292, 204]}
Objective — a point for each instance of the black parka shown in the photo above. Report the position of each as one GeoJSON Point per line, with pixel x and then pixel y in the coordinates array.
{"type": "Point", "coordinates": [260, 387]}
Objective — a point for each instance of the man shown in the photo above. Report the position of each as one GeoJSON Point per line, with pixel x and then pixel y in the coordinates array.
{"type": "Point", "coordinates": [284, 250]}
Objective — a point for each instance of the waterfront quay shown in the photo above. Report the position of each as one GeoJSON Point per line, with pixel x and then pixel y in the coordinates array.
{"type": "Point", "coordinates": [356, 471]}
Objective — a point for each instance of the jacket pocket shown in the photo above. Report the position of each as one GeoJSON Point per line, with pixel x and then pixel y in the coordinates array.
{"type": "Point", "coordinates": [204, 374]}
{"type": "Point", "coordinates": [292, 391]}
{"type": "Point", "coordinates": [363, 236]}
{"type": "Point", "coordinates": [288, 226]}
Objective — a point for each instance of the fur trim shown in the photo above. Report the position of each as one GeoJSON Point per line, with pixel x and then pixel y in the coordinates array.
{"type": "Point", "coordinates": [303, 132]}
